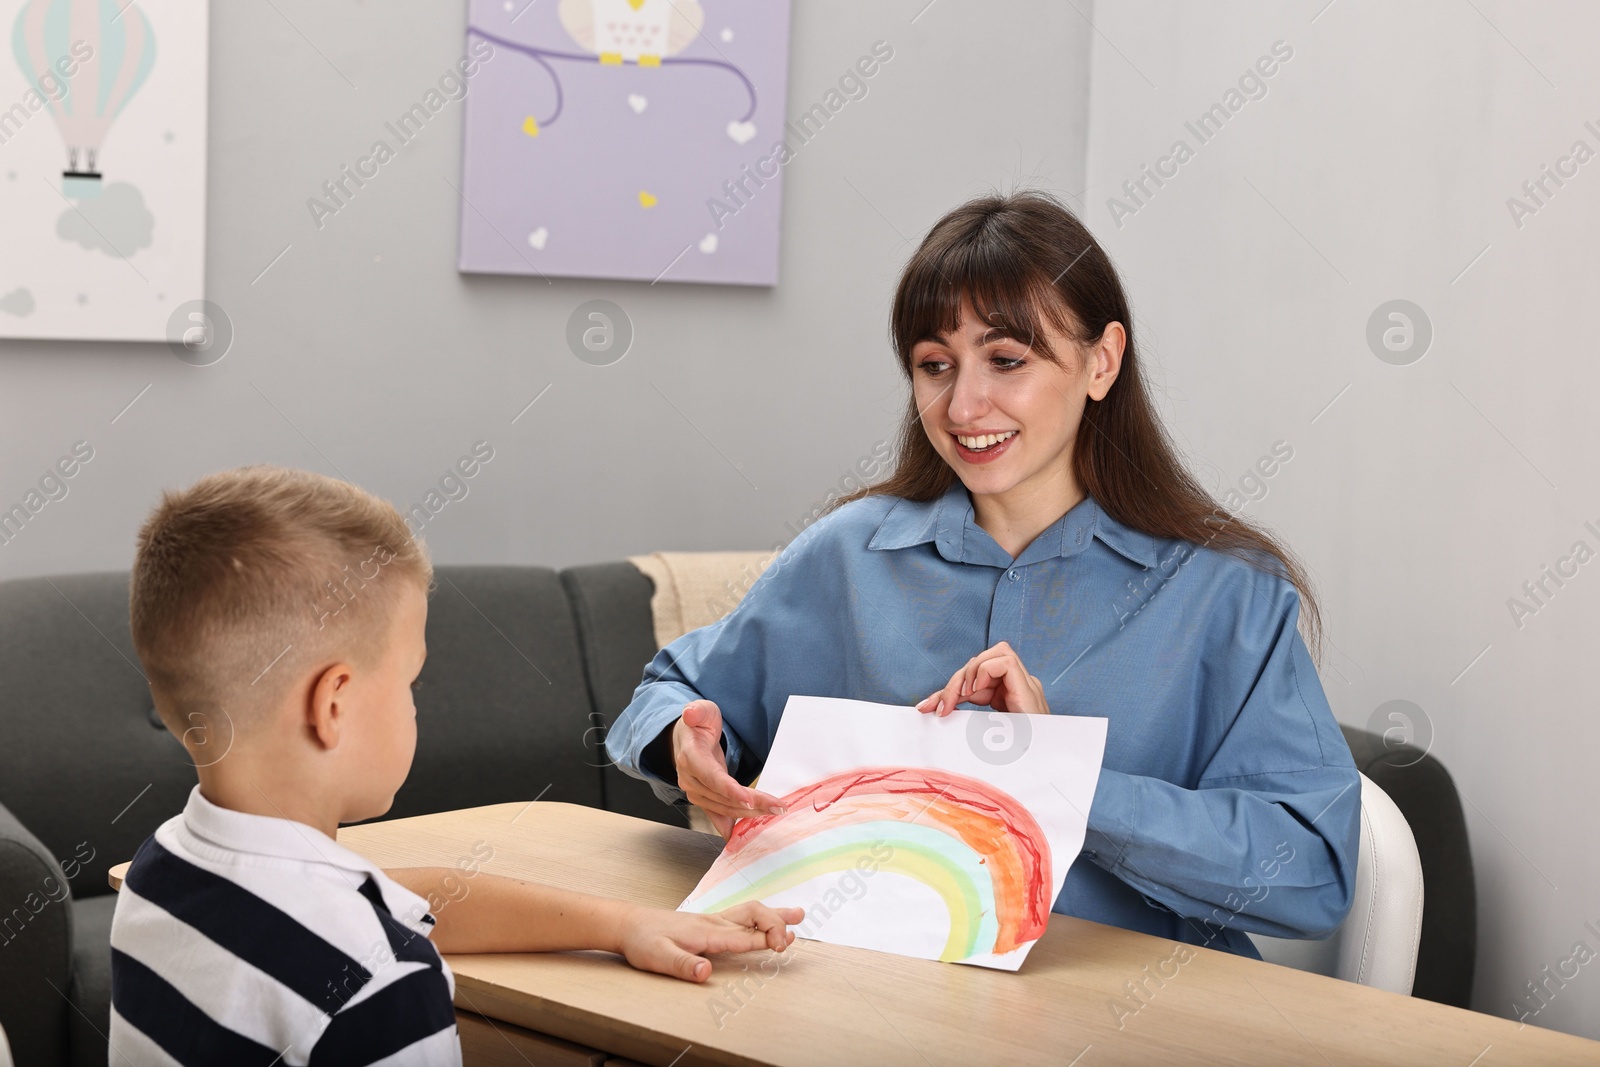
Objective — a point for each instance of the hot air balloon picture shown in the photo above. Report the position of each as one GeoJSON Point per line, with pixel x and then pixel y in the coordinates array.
{"type": "Point", "coordinates": [121, 51]}
{"type": "Point", "coordinates": [601, 129]}
{"type": "Point", "coordinates": [102, 167]}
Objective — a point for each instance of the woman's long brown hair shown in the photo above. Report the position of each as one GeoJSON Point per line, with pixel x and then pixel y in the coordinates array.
{"type": "Point", "coordinates": [1015, 258]}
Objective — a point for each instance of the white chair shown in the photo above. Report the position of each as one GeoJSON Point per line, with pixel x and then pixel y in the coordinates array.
{"type": "Point", "coordinates": [1376, 945]}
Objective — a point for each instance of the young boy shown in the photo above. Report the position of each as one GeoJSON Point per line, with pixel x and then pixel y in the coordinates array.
{"type": "Point", "coordinates": [244, 933]}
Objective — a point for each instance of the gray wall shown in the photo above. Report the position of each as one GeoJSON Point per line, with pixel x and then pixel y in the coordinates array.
{"type": "Point", "coordinates": [1378, 167]}
{"type": "Point", "coordinates": [363, 352]}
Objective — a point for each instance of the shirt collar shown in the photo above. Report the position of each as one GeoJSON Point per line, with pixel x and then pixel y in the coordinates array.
{"type": "Point", "coordinates": [949, 523]}
{"type": "Point", "coordinates": [265, 835]}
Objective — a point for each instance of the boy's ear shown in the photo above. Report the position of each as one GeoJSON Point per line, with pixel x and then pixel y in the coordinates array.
{"type": "Point", "coordinates": [329, 707]}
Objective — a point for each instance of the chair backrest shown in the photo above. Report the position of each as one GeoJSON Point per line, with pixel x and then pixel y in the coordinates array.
{"type": "Point", "coordinates": [1376, 945]}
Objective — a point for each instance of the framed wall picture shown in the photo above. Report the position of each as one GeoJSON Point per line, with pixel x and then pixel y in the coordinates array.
{"type": "Point", "coordinates": [102, 166]}
{"type": "Point", "coordinates": [638, 139]}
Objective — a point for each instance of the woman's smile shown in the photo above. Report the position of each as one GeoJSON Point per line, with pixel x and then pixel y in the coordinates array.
{"type": "Point", "coordinates": [1003, 414]}
{"type": "Point", "coordinates": [984, 447]}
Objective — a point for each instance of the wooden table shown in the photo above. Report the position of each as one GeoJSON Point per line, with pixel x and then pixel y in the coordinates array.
{"type": "Point", "coordinates": [835, 1005]}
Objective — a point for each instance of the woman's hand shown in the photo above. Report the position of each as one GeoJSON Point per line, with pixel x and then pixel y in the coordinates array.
{"type": "Point", "coordinates": [994, 677]}
{"type": "Point", "coordinates": [670, 942]}
{"type": "Point", "coordinates": [703, 770]}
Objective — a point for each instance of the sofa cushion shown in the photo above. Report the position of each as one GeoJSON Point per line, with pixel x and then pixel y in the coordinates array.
{"type": "Point", "coordinates": [87, 767]}
{"type": "Point", "coordinates": [611, 602]}
{"type": "Point", "coordinates": [503, 705]}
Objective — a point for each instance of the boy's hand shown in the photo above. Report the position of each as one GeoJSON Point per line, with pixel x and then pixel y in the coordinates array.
{"type": "Point", "coordinates": [669, 942]}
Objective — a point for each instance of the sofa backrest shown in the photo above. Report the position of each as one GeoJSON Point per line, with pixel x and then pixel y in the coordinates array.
{"type": "Point", "coordinates": [503, 712]}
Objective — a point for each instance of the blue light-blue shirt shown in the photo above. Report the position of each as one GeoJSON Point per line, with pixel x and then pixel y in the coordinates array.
{"type": "Point", "coordinates": [1228, 800]}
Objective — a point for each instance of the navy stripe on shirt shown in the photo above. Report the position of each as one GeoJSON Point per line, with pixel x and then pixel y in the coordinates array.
{"type": "Point", "coordinates": [247, 926]}
{"type": "Point", "coordinates": [407, 945]}
{"type": "Point", "coordinates": [400, 1014]}
{"type": "Point", "coordinates": [170, 1019]}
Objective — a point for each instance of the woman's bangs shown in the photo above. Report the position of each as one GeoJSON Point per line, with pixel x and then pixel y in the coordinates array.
{"type": "Point", "coordinates": [1001, 290]}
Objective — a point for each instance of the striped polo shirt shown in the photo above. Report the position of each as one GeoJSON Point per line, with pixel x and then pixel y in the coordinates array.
{"type": "Point", "coordinates": [243, 939]}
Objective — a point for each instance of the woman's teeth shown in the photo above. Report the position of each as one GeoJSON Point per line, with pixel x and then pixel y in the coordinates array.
{"type": "Point", "coordinates": [978, 444]}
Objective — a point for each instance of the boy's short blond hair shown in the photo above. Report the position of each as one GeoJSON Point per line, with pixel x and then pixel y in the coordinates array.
{"type": "Point", "coordinates": [249, 576]}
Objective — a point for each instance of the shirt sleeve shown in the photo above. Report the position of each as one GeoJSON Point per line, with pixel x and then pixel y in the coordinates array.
{"type": "Point", "coordinates": [747, 663]}
{"type": "Point", "coordinates": [1267, 840]}
{"type": "Point", "coordinates": [404, 1011]}
{"type": "Point", "coordinates": [408, 1020]}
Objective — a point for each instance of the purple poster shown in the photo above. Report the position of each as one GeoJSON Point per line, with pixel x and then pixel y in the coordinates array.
{"type": "Point", "coordinates": [637, 139]}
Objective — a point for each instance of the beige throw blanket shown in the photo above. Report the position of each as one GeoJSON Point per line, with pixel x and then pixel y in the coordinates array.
{"type": "Point", "coordinates": [695, 589]}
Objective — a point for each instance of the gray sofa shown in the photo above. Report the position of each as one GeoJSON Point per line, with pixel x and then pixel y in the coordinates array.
{"type": "Point", "coordinates": [527, 667]}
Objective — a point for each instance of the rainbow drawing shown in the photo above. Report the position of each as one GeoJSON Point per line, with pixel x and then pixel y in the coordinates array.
{"type": "Point", "coordinates": [971, 843]}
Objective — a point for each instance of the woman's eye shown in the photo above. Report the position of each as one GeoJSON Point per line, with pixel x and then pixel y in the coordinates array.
{"type": "Point", "coordinates": [1008, 362]}
{"type": "Point", "coordinates": [933, 366]}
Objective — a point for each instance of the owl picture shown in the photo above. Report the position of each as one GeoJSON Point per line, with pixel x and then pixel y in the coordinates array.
{"type": "Point", "coordinates": [639, 31]}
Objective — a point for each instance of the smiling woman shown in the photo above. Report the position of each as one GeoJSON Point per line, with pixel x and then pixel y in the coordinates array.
{"type": "Point", "coordinates": [1032, 489]}
{"type": "Point", "coordinates": [1011, 310]}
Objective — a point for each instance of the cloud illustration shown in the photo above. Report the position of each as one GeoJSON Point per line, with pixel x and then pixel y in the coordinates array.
{"type": "Point", "coordinates": [18, 302]}
{"type": "Point", "coordinates": [116, 222]}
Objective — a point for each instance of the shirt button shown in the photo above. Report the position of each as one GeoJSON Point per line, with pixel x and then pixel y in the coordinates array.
{"type": "Point", "coordinates": [1013, 575]}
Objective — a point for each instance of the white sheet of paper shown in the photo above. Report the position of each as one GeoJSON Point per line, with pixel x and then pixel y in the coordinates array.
{"type": "Point", "coordinates": [942, 839]}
